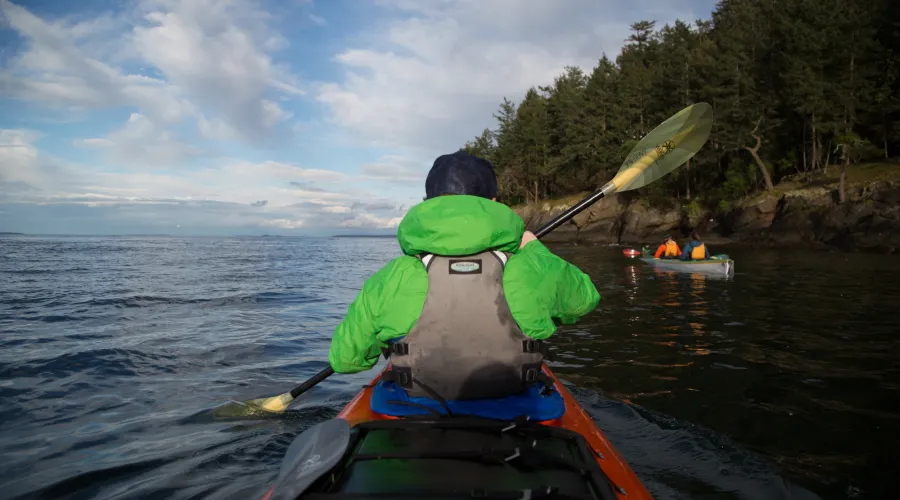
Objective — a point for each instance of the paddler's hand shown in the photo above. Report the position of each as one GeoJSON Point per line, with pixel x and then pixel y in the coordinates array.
{"type": "Point", "coordinates": [526, 238]}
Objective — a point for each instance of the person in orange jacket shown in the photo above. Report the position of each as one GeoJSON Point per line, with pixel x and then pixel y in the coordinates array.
{"type": "Point", "coordinates": [668, 249]}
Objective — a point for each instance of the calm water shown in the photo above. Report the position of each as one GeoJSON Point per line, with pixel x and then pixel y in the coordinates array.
{"type": "Point", "coordinates": [784, 376]}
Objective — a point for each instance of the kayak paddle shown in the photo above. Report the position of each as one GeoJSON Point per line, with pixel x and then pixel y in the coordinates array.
{"type": "Point", "coordinates": [665, 148]}
{"type": "Point", "coordinates": [309, 457]}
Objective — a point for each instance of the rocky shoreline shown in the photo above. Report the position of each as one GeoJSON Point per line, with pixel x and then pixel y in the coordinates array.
{"type": "Point", "coordinates": [794, 215]}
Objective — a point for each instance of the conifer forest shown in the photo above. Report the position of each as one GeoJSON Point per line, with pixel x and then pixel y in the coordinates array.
{"type": "Point", "coordinates": [796, 86]}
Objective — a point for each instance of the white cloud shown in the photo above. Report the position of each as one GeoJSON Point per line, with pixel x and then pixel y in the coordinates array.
{"type": "Point", "coordinates": [232, 195]}
{"type": "Point", "coordinates": [331, 209]}
{"type": "Point", "coordinates": [55, 71]}
{"type": "Point", "coordinates": [94, 143]}
{"type": "Point", "coordinates": [141, 142]}
{"type": "Point", "coordinates": [370, 221]}
{"type": "Point", "coordinates": [284, 223]}
{"type": "Point", "coordinates": [395, 168]}
{"type": "Point", "coordinates": [18, 158]}
{"type": "Point", "coordinates": [205, 60]}
{"type": "Point", "coordinates": [282, 171]}
{"type": "Point", "coordinates": [434, 74]}
{"type": "Point", "coordinates": [23, 169]}
{"type": "Point", "coordinates": [215, 51]}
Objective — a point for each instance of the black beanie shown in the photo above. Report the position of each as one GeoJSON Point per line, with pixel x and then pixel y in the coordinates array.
{"type": "Point", "coordinates": [461, 173]}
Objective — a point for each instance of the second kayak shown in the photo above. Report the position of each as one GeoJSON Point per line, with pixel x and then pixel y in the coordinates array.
{"type": "Point", "coordinates": [721, 265]}
{"type": "Point", "coordinates": [445, 454]}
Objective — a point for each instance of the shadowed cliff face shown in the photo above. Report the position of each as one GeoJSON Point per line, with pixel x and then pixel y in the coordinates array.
{"type": "Point", "coordinates": [806, 216]}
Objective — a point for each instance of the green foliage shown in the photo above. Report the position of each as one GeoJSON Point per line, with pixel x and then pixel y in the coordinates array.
{"type": "Point", "coordinates": [789, 81]}
{"type": "Point", "coordinates": [740, 180]}
{"type": "Point", "coordinates": [856, 147]}
{"type": "Point", "coordinates": [692, 211]}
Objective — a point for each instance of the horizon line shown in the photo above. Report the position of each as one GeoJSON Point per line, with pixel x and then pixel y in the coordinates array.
{"type": "Point", "coordinates": [235, 235]}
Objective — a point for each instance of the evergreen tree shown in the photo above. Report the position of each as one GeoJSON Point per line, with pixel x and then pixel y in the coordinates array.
{"type": "Point", "coordinates": [794, 84]}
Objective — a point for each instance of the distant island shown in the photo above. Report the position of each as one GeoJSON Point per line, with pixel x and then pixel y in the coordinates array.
{"type": "Point", "coordinates": [364, 236]}
{"type": "Point", "coordinates": [6, 233]}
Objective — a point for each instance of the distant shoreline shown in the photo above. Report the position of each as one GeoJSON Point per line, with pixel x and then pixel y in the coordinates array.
{"type": "Point", "coordinates": [162, 235]}
{"type": "Point", "coordinates": [61, 235]}
{"type": "Point", "coordinates": [364, 236]}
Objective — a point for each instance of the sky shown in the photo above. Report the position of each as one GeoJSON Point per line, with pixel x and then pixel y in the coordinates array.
{"type": "Point", "coordinates": [217, 117]}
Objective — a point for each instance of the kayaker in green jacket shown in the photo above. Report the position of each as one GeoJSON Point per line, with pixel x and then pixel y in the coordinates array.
{"type": "Point", "coordinates": [463, 312]}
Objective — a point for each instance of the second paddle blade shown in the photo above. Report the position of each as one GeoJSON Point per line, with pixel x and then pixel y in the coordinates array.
{"type": "Point", "coordinates": [666, 147]}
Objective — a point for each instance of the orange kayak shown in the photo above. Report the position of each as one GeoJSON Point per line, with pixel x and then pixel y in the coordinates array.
{"type": "Point", "coordinates": [364, 454]}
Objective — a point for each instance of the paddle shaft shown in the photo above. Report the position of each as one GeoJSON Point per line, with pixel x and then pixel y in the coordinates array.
{"type": "Point", "coordinates": [575, 210]}
{"type": "Point", "coordinates": [550, 226]}
{"type": "Point", "coordinates": [309, 384]}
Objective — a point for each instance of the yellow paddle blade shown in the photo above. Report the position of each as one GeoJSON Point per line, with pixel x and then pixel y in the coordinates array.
{"type": "Point", "coordinates": [275, 403]}
{"type": "Point", "coordinates": [665, 148]}
{"type": "Point", "coordinates": [255, 408]}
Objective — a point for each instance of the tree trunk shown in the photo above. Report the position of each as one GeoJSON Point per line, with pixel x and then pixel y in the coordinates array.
{"type": "Point", "coordinates": [762, 168]}
{"type": "Point", "coordinates": [755, 152]}
{"type": "Point", "coordinates": [687, 179]}
{"type": "Point", "coordinates": [842, 191]}
{"type": "Point", "coordinates": [804, 148]}
{"type": "Point", "coordinates": [815, 153]}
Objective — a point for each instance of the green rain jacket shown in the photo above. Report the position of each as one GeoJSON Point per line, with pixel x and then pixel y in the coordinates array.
{"type": "Point", "coordinates": [539, 286]}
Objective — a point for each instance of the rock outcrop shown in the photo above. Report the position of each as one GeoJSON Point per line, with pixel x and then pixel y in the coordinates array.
{"type": "Point", "coordinates": [802, 216]}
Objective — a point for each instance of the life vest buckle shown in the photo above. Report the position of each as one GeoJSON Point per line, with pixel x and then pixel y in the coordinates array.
{"type": "Point", "coordinates": [401, 376]}
{"type": "Point", "coordinates": [399, 348]}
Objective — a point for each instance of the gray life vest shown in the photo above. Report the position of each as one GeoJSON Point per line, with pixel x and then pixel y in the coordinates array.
{"type": "Point", "coordinates": [465, 344]}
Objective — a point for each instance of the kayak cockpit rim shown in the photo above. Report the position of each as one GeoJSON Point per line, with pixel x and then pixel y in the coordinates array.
{"type": "Point", "coordinates": [517, 449]}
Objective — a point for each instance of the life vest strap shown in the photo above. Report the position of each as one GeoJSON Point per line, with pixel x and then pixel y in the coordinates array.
{"type": "Point", "coordinates": [530, 346]}
{"type": "Point", "coordinates": [399, 375]}
{"type": "Point", "coordinates": [531, 374]}
{"type": "Point", "coordinates": [534, 374]}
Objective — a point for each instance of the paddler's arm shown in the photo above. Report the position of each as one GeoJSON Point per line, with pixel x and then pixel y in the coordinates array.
{"type": "Point", "coordinates": [576, 295]}
{"type": "Point", "coordinates": [535, 277]}
{"type": "Point", "coordinates": [686, 253]}
{"type": "Point", "coordinates": [387, 306]}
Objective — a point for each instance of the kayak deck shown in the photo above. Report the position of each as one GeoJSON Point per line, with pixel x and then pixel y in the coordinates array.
{"type": "Point", "coordinates": [464, 457]}
{"type": "Point", "coordinates": [358, 413]}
